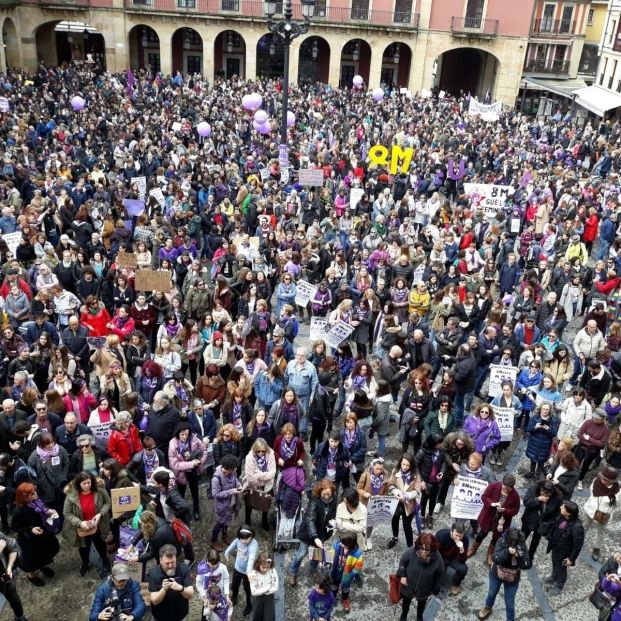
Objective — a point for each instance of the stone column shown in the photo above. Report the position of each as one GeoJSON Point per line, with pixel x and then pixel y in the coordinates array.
{"type": "Point", "coordinates": [294, 61]}
{"type": "Point", "coordinates": [375, 70]}
{"type": "Point", "coordinates": [334, 71]}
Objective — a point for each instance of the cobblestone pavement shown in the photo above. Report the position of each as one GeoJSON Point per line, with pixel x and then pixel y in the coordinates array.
{"type": "Point", "coordinates": [532, 602]}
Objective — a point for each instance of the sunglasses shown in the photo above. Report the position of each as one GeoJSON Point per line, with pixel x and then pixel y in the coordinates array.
{"type": "Point", "coordinates": [226, 435]}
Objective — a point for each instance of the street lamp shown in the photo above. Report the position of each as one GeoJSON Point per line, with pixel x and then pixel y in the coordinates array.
{"type": "Point", "coordinates": [356, 53]}
{"type": "Point", "coordinates": [288, 30]}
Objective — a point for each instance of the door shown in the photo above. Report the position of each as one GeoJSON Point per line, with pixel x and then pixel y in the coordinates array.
{"type": "Point", "coordinates": [547, 18]}
{"type": "Point", "coordinates": [566, 21]}
{"type": "Point", "coordinates": [474, 13]}
{"type": "Point", "coordinates": [233, 67]}
{"type": "Point", "coordinates": [347, 75]}
{"type": "Point", "coordinates": [194, 63]}
{"type": "Point", "coordinates": [387, 76]}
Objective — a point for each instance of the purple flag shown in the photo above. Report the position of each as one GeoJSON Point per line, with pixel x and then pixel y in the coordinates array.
{"type": "Point", "coordinates": [131, 82]}
{"type": "Point", "coordinates": [133, 207]}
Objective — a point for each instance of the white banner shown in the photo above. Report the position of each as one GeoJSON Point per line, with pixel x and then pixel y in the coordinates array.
{"type": "Point", "coordinates": [467, 503]}
{"type": "Point", "coordinates": [12, 240]}
{"type": "Point", "coordinates": [101, 434]}
{"type": "Point", "coordinates": [484, 109]}
{"type": "Point", "coordinates": [305, 293]}
{"type": "Point", "coordinates": [490, 197]}
{"type": "Point", "coordinates": [141, 182]}
{"type": "Point", "coordinates": [158, 195]}
{"type": "Point", "coordinates": [338, 333]}
{"type": "Point", "coordinates": [355, 196]}
{"type": "Point", "coordinates": [499, 374]}
{"type": "Point", "coordinates": [381, 509]}
{"type": "Point", "coordinates": [4, 104]}
{"type": "Point", "coordinates": [504, 419]}
{"type": "Point", "coordinates": [318, 328]}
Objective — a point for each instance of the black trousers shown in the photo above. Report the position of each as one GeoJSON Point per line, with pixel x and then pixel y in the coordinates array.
{"type": "Point", "coordinates": [400, 514]}
{"type": "Point", "coordinates": [317, 430]}
{"type": "Point", "coordinates": [238, 580]}
{"type": "Point", "coordinates": [9, 590]}
{"type": "Point", "coordinates": [192, 478]}
{"type": "Point", "coordinates": [420, 608]}
{"type": "Point", "coordinates": [534, 542]}
{"type": "Point", "coordinates": [461, 569]}
{"type": "Point", "coordinates": [559, 571]}
{"type": "Point", "coordinates": [100, 546]}
{"type": "Point", "coordinates": [263, 608]}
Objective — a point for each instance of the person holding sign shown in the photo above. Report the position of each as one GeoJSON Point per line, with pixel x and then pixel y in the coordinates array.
{"type": "Point", "coordinates": [542, 429]}
{"type": "Point", "coordinates": [483, 429]}
{"type": "Point", "coordinates": [505, 400]}
{"type": "Point", "coordinates": [373, 482]}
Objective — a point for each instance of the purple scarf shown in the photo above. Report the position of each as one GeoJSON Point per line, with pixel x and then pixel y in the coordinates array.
{"type": "Point", "coordinates": [331, 457]}
{"type": "Point", "coordinates": [376, 483]}
{"type": "Point", "coordinates": [236, 415]}
{"type": "Point", "coordinates": [261, 462]}
{"type": "Point", "coordinates": [406, 476]}
{"type": "Point", "coordinates": [349, 437]}
{"type": "Point", "coordinates": [287, 449]}
{"type": "Point", "coordinates": [358, 381]}
{"type": "Point", "coordinates": [172, 330]}
{"type": "Point", "coordinates": [290, 411]}
{"type": "Point", "coordinates": [41, 509]}
{"type": "Point", "coordinates": [151, 462]}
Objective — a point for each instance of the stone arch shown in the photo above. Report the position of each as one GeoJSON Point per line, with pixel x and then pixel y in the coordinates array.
{"type": "Point", "coordinates": [467, 68]}
{"type": "Point", "coordinates": [396, 64]}
{"type": "Point", "coordinates": [61, 41]}
{"type": "Point", "coordinates": [187, 50]}
{"type": "Point", "coordinates": [230, 54]}
{"type": "Point", "coordinates": [314, 56]}
{"type": "Point", "coordinates": [12, 47]}
{"type": "Point", "coordinates": [144, 48]}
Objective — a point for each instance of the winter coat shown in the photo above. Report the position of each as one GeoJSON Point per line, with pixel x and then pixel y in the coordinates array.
{"type": "Point", "coordinates": [51, 478]}
{"type": "Point", "coordinates": [316, 521]}
{"type": "Point", "coordinates": [136, 465]}
{"type": "Point", "coordinates": [220, 449]}
{"type": "Point", "coordinates": [364, 485]}
{"type": "Point", "coordinates": [566, 481]}
{"type": "Point", "coordinates": [320, 461]}
{"type": "Point", "coordinates": [256, 478]}
{"type": "Point", "coordinates": [432, 424]}
{"type": "Point", "coordinates": [484, 433]}
{"type": "Point", "coordinates": [411, 491]}
{"type": "Point", "coordinates": [540, 440]}
{"type": "Point", "coordinates": [180, 465]}
{"type": "Point", "coordinates": [536, 513]}
{"type": "Point", "coordinates": [523, 383]}
{"type": "Point", "coordinates": [163, 535]}
{"type": "Point", "coordinates": [37, 551]}
{"type": "Point", "coordinates": [267, 391]}
{"type": "Point", "coordinates": [276, 415]}
{"type": "Point", "coordinates": [568, 541]}
{"type": "Point", "coordinates": [73, 514]}
{"type": "Point", "coordinates": [354, 522]}
{"type": "Point", "coordinates": [381, 417]}
{"type": "Point", "coordinates": [224, 490]}
{"type": "Point", "coordinates": [298, 454]}
{"type": "Point", "coordinates": [358, 449]}
{"type": "Point", "coordinates": [424, 465]}
{"type": "Point", "coordinates": [600, 503]}
{"type": "Point", "coordinates": [504, 558]}
{"type": "Point", "coordinates": [560, 371]}
{"type": "Point", "coordinates": [465, 374]}
{"type": "Point", "coordinates": [123, 449]}
{"type": "Point", "coordinates": [488, 518]}
{"type": "Point", "coordinates": [423, 579]}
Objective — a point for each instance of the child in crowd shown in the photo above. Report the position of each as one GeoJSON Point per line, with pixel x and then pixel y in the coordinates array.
{"type": "Point", "coordinates": [212, 572]}
{"type": "Point", "coordinates": [348, 563]}
{"type": "Point", "coordinates": [321, 600]}
{"type": "Point", "coordinates": [246, 547]}
{"type": "Point", "coordinates": [263, 585]}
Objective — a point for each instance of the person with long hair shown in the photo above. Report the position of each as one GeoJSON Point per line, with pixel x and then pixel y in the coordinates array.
{"type": "Point", "coordinates": [483, 429]}
{"type": "Point", "coordinates": [413, 409]}
{"type": "Point", "coordinates": [259, 474]}
{"type": "Point", "coordinates": [361, 378]}
{"type": "Point", "coordinates": [405, 484]}
{"type": "Point", "coordinates": [421, 572]}
{"type": "Point", "coordinates": [191, 345]}
{"type": "Point", "coordinates": [542, 429]}
{"type": "Point", "coordinates": [354, 441]}
{"type": "Point", "coordinates": [87, 508]}
{"type": "Point", "coordinates": [36, 526]}
{"type": "Point", "coordinates": [431, 464]}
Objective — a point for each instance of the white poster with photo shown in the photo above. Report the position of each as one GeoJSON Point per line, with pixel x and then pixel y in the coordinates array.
{"type": "Point", "coordinates": [338, 333]}
{"type": "Point", "coordinates": [158, 195]}
{"type": "Point", "coordinates": [101, 434]}
{"type": "Point", "coordinates": [488, 196]}
{"type": "Point", "coordinates": [318, 328]}
{"type": "Point", "coordinates": [499, 374]}
{"type": "Point", "coordinates": [141, 182]}
{"type": "Point", "coordinates": [12, 240]}
{"type": "Point", "coordinates": [380, 509]}
{"type": "Point", "coordinates": [467, 493]}
{"type": "Point", "coordinates": [504, 419]}
{"type": "Point", "coordinates": [418, 273]}
{"type": "Point", "coordinates": [284, 176]}
{"type": "Point", "coordinates": [305, 293]}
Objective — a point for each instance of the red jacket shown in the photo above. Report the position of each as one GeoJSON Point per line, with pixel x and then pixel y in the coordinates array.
{"type": "Point", "coordinates": [96, 324]}
{"type": "Point", "coordinates": [609, 286]}
{"type": "Point", "coordinates": [21, 283]}
{"type": "Point", "coordinates": [121, 449]}
{"type": "Point", "coordinates": [488, 518]}
{"type": "Point", "coordinates": [590, 228]}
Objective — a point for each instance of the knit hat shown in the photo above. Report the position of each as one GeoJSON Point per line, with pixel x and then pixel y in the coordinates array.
{"type": "Point", "coordinates": [609, 473]}
{"type": "Point", "coordinates": [216, 336]}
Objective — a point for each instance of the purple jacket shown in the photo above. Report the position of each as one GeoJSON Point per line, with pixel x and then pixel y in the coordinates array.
{"type": "Point", "coordinates": [224, 489]}
{"type": "Point", "coordinates": [484, 433]}
{"type": "Point", "coordinates": [610, 587]}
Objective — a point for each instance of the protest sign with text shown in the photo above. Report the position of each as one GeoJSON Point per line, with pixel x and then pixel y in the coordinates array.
{"type": "Point", "coordinates": [467, 493]}
{"type": "Point", "coordinates": [504, 418]}
{"type": "Point", "coordinates": [499, 374]}
{"type": "Point", "coordinates": [380, 509]}
{"type": "Point", "coordinates": [338, 333]}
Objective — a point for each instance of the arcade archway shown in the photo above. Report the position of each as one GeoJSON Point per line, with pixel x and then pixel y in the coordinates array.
{"type": "Point", "coordinates": [314, 61]}
{"type": "Point", "coordinates": [467, 70]}
{"type": "Point", "coordinates": [355, 60]}
{"type": "Point", "coordinates": [230, 55]}
{"type": "Point", "coordinates": [144, 48]}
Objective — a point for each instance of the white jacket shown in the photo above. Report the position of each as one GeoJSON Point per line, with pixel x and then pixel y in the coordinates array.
{"type": "Point", "coordinates": [599, 503]}
{"type": "Point", "coordinates": [572, 417]}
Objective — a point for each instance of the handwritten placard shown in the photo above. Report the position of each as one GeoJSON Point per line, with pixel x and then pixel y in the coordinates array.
{"type": "Point", "coordinates": [12, 240]}
{"type": "Point", "coordinates": [467, 493]}
{"type": "Point", "coordinates": [127, 259]}
{"type": "Point", "coordinates": [101, 434]}
{"type": "Point", "coordinates": [355, 196]}
{"type": "Point", "coordinates": [124, 500]}
{"type": "Point", "coordinates": [380, 509]}
{"type": "Point", "coordinates": [158, 195]}
{"type": "Point", "coordinates": [141, 182]}
{"type": "Point", "coordinates": [153, 280]}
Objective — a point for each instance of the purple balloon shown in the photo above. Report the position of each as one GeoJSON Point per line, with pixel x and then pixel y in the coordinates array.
{"type": "Point", "coordinates": [358, 80]}
{"type": "Point", "coordinates": [257, 100]}
{"type": "Point", "coordinates": [378, 94]}
{"type": "Point", "coordinates": [261, 117]}
{"type": "Point", "coordinates": [203, 129]}
{"type": "Point", "coordinates": [247, 102]}
{"type": "Point", "coordinates": [261, 127]}
{"type": "Point", "coordinates": [290, 118]}
{"type": "Point", "coordinates": [77, 103]}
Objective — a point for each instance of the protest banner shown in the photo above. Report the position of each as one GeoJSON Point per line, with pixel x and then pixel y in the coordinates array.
{"type": "Point", "coordinates": [12, 240]}
{"type": "Point", "coordinates": [355, 196]}
{"type": "Point", "coordinates": [153, 280]}
{"type": "Point", "coordinates": [318, 328]}
{"type": "Point", "coordinates": [96, 342]}
{"type": "Point", "coordinates": [284, 176]}
{"type": "Point", "coordinates": [504, 418]}
{"type": "Point", "coordinates": [265, 174]}
{"type": "Point", "coordinates": [124, 500]}
{"type": "Point", "coordinates": [305, 293]}
{"type": "Point", "coordinates": [176, 126]}
{"type": "Point", "coordinates": [418, 273]}
{"type": "Point", "coordinates": [311, 176]}
{"type": "Point", "coordinates": [467, 503]}
{"type": "Point", "coordinates": [133, 207]}
{"type": "Point", "coordinates": [488, 196]}
{"type": "Point", "coordinates": [127, 259]}
{"type": "Point", "coordinates": [338, 334]}
{"type": "Point", "coordinates": [141, 182]}
{"type": "Point", "coordinates": [380, 509]}
{"type": "Point", "coordinates": [101, 434]}
{"type": "Point", "coordinates": [499, 374]}
{"type": "Point", "coordinates": [158, 195]}
{"type": "Point", "coordinates": [477, 107]}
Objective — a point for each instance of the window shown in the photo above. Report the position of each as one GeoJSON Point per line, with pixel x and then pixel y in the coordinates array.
{"type": "Point", "coordinates": [360, 9]}
{"type": "Point", "coordinates": [403, 11]}
{"type": "Point", "coordinates": [590, 17]}
{"type": "Point", "coordinates": [320, 8]}
{"type": "Point", "coordinates": [617, 43]}
{"type": "Point", "coordinates": [186, 4]}
{"type": "Point", "coordinates": [230, 5]}
{"type": "Point", "coordinates": [474, 13]}
{"type": "Point", "coordinates": [603, 73]}
{"type": "Point", "coordinates": [567, 24]}
{"type": "Point", "coordinates": [547, 18]}
{"type": "Point", "coordinates": [612, 32]}
{"type": "Point", "coordinates": [194, 64]}
{"type": "Point", "coordinates": [612, 74]}
{"type": "Point", "coordinates": [154, 62]}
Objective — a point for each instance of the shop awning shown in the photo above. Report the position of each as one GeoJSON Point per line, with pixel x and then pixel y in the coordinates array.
{"type": "Point", "coordinates": [597, 99]}
{"type": "Point", "coordinates": [564, 88]}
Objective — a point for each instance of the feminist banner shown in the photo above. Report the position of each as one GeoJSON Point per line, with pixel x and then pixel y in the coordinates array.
{"type": "Point", "coordinates": [487, 111]}
{"type": "Point", "coordinates": [318, 328]}
{"type": "Point", "coordinates": [338, 333]}
{"type": "Point", "coordinates": [504, 419]}
{"type": "Point", "coordinates": [498, 374]}
{"type": "Point", "coordinates": [488, 196]}
{"type": "Point", "coordinates": [467, 493]}
{"type": "Point", "coordinates": [381, 509]}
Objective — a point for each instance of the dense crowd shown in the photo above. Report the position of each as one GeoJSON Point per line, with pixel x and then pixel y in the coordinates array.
{"type": "Point", "coordinates": [113, 385]}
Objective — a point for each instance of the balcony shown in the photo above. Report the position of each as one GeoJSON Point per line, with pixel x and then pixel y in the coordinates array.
{"type": "Point", "coordinates": [474, 26]}
{"type": "Point", "coordinates": [561, 27]}
{"type": "Point", "coordinates": [255, 9]}
{"type": "Point", "coordinates": [557, 67]}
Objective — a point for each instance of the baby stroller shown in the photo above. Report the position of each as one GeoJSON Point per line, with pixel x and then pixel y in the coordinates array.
{"type": "Point", "coordinates": [289, 491]}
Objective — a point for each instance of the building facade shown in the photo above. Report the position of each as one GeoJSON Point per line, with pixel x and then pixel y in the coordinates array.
{"type": "Point", "coordinates": [475, 46]}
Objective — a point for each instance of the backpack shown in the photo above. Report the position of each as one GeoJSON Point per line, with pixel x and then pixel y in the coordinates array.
{"type": "Point", "coordinates": [182, 531]}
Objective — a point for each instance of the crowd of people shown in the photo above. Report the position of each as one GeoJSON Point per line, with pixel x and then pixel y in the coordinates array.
{"type": "Point", "coordinates": [110, 384]}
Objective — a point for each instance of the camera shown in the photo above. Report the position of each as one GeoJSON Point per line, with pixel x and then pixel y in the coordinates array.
{"type": "Point", "coordinates": [114, 603]}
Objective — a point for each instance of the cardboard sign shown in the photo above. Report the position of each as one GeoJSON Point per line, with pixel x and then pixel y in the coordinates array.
{"type": "Point", "coordinates": [158, 195]}
{"type": "Point", "coordinates": [499, 374]}
{"type": "Point", "coordinates": [124, 500]}
{"type": "Point", "coordinates": [318, 328]}
{"type": "Point", "coordinates": [176, 127]}
{"type": "Point", "coordinates": [467, 493]}
{"type": "Point", "coordinates": [284, 176]}
{"type": "Point", "coordinates": [153, 280]}
{"type": "Point", "coordinates": [127, 259]}
{"type": "Point", "coordinates": [146, 594]}
{"type": "Point", "coordinates": [381, 509]}
{"type": "Point", "coordinates": [338, 333]}
{"type": "Point", "coordinates": [504, 418]}
{"type": "Point", "coordinates": [355, 196]}
{"type": "Point", "coordinates": [305, 293]}
{"type": "Point", "coordinates": [265, 174]}
{"type": "Point", "coordinates": [311, 176]}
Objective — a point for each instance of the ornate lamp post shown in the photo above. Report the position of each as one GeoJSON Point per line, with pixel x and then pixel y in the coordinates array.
{"type": "Point", "coordinates": [287, 29]}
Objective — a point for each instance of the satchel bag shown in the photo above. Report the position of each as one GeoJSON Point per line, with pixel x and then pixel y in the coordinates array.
{"type": "Point", "coordinates": [86, 532]}
{"type": "Point", "coordinates": [598, 598]}
{"type": "Point", "coordinates": [394, 589]}
{"type": "Point", "coordinates": [257, 499]}
{"type": "Point", "coordinates": [601, 517]}
{"type": "Point", "coordinates": [507, 574]}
